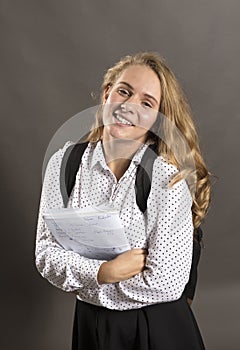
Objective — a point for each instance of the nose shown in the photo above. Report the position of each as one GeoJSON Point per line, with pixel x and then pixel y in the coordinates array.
{"type": "Point", "coordinates": [131, 104]}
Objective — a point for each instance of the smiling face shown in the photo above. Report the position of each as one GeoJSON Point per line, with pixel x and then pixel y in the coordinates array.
{"type": "Point", "coordinates": [131, 104]}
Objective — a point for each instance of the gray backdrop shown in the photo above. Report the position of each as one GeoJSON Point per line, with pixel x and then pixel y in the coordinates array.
{"type": "Point", "coordinates": [53, 55]}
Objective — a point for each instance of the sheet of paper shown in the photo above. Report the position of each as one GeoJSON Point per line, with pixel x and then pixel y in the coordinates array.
{"type": "Point", "coordinates": [93, 233]}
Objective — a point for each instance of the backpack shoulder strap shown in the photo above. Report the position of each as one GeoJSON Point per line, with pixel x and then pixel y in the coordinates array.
{"type": "Point", "coordinates": [144, 177]}
{"type": "Point", "coordinates": [69, 168]}
{"type": "Point", "coordinates": [190, 287]}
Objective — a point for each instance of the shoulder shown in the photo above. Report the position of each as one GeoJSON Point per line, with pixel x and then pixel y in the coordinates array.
{"type": "Point", "coordinates": [164, 170]}
{"type": "Point", "coordinates": [61, 151]}
{"type": "Point", "coordinates": [55, 160]}
{"type": "Point", "coordinates": [163, 174]}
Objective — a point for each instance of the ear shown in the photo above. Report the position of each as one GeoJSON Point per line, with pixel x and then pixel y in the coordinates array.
{"type": "Point", "coordinates": [106, 93]}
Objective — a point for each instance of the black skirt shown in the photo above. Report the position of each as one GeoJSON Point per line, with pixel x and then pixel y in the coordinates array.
{"type": "Point", "coordinates": [163, 326]}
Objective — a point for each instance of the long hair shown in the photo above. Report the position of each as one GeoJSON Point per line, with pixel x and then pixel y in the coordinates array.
{"type": "Point", "coordinates": [176, 110]}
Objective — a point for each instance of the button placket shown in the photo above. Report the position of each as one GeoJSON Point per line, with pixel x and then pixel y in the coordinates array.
{"type": "Point", "coordinates": [114, 193]}
{"type": "Point", "coordinates": [122, 185]}
{"type": "Point", "coordinates": [118, 193]}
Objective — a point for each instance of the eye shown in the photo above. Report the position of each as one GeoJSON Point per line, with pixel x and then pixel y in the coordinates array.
{"type": "Point", "coordinates": [124, 92]}
{"type": "Point", "coordinates": [147, 104]}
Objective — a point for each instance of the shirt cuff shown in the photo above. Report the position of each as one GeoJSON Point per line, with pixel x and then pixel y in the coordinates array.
{"type": "Point", "coordinates": [89, 273]}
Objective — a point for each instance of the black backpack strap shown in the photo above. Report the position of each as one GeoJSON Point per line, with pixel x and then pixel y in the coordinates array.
{"type": "Point", "coordinates": [69, 168]}
{"type": "Point", "coordinates": [190, 287]}
{"type": "Point", "coordinates": [144, 177]}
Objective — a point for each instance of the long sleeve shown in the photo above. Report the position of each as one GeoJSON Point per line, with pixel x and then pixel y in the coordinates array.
{"type": "Point", "coordinates": [166, 231]}
{"type": "Point", "coordinates": [170, 238]}
{"type": "Point", "coordinates": [64, 269]}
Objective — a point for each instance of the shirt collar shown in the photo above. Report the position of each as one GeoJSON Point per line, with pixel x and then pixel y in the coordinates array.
{"type": "Point", "coordinates": [98, 154]}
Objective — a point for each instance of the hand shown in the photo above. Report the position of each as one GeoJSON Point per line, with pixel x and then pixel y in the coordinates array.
{"type": "Point", "coordinates": [123, 267]}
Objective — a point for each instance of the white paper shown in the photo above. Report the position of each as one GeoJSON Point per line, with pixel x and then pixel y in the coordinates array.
{"type": "Point", "coordinates": [96, 233]}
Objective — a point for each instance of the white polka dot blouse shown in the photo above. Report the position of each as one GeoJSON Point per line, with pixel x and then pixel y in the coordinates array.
{"type": "Point", "coordinates": [165, 230]}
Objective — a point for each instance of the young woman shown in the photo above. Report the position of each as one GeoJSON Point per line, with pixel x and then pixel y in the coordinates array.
{"type": "Point", "coordinates": [136, 300]}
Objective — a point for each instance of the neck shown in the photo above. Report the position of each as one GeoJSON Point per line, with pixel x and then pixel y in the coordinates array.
{"type": "Point", "coordinates": [119, 153]}
{"type": "Point", "coordinates": [120, 149]}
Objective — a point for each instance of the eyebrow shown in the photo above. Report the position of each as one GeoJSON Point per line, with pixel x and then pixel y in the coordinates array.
{"type": "Point", "coordinates": [147, 95]}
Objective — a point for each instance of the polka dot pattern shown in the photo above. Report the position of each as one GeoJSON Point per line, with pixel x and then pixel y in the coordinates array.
{"type": "Point", "coordinates": [165, 229]}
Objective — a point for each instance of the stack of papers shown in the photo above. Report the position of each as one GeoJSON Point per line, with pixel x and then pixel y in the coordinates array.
{"type": "Point", "coordinates": [93, 233]}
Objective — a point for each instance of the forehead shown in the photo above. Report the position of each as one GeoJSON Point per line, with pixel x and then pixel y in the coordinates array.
{"type": "Point", "coordinates": [142, 78]}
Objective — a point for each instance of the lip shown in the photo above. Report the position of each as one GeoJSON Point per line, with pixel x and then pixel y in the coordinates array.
{"type": "Point", "coordinates": [123, 116]}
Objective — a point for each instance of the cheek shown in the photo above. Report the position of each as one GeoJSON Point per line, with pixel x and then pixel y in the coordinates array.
{"type": "Point", "coordinates": [113, 97]}
{"type": "Point", "coordinates": [149, 118]}
{"type": "Point", "coordinates": [106, 112]}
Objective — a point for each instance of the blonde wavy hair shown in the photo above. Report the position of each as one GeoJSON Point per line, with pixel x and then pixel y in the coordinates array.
{"type": "Point", "coordinates": [176, 110]}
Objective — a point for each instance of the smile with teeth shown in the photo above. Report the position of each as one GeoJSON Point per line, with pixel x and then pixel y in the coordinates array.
{"type": "Point", "coordinates": [121, 119]}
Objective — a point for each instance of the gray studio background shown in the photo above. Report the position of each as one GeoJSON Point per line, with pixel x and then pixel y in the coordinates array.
{"type": "Point", "coordinates": [53, 55]}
